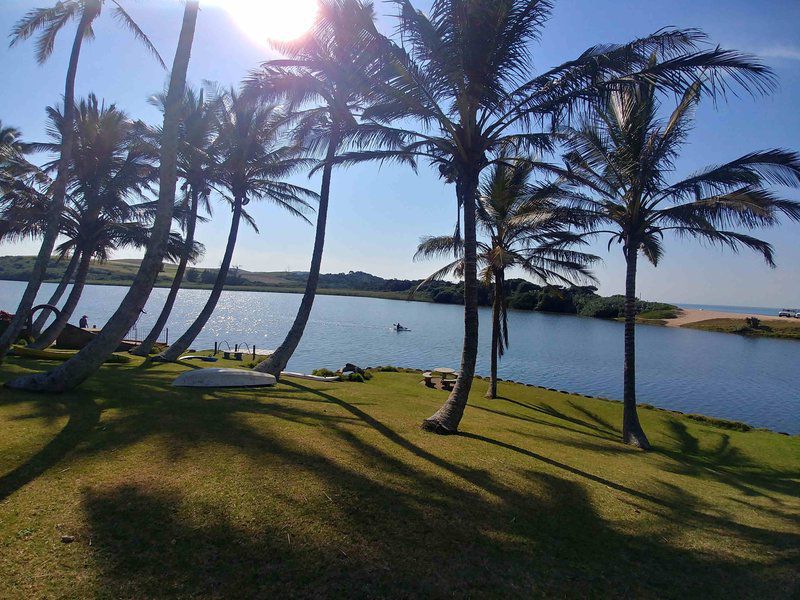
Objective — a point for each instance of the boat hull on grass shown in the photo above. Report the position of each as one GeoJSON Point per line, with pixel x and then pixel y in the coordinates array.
{"type": "Point", "coordinates": [223, 378]}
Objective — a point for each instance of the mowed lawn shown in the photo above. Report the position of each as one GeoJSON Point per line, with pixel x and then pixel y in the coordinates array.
{"type": "Point", "coordinates": [320, 490]}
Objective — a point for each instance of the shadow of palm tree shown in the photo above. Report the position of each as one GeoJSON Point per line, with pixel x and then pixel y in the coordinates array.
{"type": "Point", "coordinates": [84, 416]}
{"type": "Point", "coordinates": [726, 463]}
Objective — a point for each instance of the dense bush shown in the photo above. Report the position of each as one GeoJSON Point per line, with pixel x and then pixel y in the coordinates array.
{"type": "Point", "coordinates": [323, 373]}
{"type": "Point", "coordinates": [604, 308]}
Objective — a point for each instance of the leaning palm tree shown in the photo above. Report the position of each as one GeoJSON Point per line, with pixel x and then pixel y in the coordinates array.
{"type": "Point", "coordinates": [74, 371]}
{"type": "Point", "coordinates": [196, 168]}
{"type": "Point", "coordinates": [323, 81]}
{"type": "Point", "coordinates": [110, 166]}
{"type": "Point", "coordinates": [463, 74]}
{"type": "Point", "coordinates": [623, 157]}
{"type": "Point", "coordinates": [48, 23]}
{"type": "Point", "coordinates": [521, 225]}
{"type": "Point", "coordinates": [252, 166]}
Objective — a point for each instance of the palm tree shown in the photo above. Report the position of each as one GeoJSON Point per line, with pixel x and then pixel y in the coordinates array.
{"type": "Point", "coordinates": [252, 166]}
{"type": "Point", "coordinates": [74, 371]}
{"type": "Point", "coordinates": [524, 227]}
{"type": "Point", "coordinates": [623, 156]}
{"type": "Point", "coordinates": [23, 206]}
{"type": "Point", "coordinates": [464, 75]}
{"type": "Point", "coordinates": [323, 80]}
{"type": "Point", "coordinates": [48, 23]}
{"type": "Point", "coordinates": [110, 165]}
{"type": "Point", "coordinates": [196, 166]}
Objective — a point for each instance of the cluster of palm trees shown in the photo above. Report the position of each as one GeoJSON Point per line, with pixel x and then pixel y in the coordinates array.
{"type": "Point", "coordinates": [538, 162]}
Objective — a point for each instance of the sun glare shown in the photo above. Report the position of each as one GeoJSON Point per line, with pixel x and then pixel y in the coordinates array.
{"type": "Point", "coordinates": [265, 20]}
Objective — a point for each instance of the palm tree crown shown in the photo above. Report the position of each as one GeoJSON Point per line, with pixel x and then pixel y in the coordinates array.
{"type": "Point", "coordinates": [49, 21]}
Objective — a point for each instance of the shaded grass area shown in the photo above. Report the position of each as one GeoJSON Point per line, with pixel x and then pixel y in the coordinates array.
{"type": "Point", "coordinates": [786, 329]}
{"type": "Point", "coordinates": [313, 489]}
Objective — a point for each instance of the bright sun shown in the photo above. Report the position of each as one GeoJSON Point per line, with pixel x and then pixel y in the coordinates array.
{"type": "Point", "coordinates": [272, 19]}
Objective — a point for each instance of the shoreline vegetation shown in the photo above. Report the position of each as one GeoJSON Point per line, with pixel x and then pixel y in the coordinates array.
{"type": "Point", "coordinates": [524, 296]}
{"type": "Point", "coordinates": [131, 483]}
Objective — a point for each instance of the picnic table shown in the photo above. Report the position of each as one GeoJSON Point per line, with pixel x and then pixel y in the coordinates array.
{"type": "Point", "coordinates": [445, 371]}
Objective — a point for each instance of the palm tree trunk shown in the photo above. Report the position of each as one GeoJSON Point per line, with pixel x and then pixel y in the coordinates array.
{"type": "Point", "coordinates": [74, 371]}
{"type": "Point", "coordinates": [496, 308]}
{"type": "Point", "coordinates": [280, 358]}
{"type": "Point", "coordinates": [59, 291]}
{"type": "Point", "coordinates": [632, 432]}
{"type": "Point", "coordinates": [51, 333]}
{"type": "Point", "coordinates": [447, 418]}
{"type": "Point", "coordinates": [182, 343]}
{"type": "Point", "coordinates": [52, 226]}
{"type": "Point", "coordinates": [146, 346]}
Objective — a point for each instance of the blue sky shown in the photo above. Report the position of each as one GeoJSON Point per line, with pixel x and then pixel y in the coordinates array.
{"type": "Point", "coordinates": [377, 216]}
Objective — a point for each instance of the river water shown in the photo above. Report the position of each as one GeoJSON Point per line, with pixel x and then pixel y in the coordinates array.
{"type": "Point", "coordinates": [728, 376]}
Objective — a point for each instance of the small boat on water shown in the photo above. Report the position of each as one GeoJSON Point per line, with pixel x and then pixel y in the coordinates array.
{"type": "Point", "coordinates": [399, 328]}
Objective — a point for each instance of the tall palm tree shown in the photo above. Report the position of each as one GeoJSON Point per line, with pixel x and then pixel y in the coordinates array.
{"type": "Point", "coordinates": [252, 166]}
{"type": "Point", "coordinates": [196, 167]}
{"type": "Point", "coordinates": [623, 157]}
{"type": "Point", "coordinates": [521, 225]}
{"type": "Point", "coordinates": [74, 371]}
{"type": "Point", "coordinates": [48, 23]}
{"type": "Point", "coordinates": [110, 166]}
{"type": "Point", "coordinates": [323, 80]}
{"type": "Point", "coordinates": [23, 206]}
{"type": "Point", "coordinates": [463, 74]}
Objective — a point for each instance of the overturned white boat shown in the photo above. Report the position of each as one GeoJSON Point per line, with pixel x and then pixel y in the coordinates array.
{"type": "Point", "coordinates": [223, 378]}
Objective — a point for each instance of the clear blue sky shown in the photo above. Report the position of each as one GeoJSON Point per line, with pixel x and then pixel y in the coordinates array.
{"type": "Point", "coordinates": [377, 216]}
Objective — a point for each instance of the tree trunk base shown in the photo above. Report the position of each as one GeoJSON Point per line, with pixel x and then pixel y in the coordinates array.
{"type": "Point", "coordinates": [40, 382]}
{"type": "Point", "coordinates": [140, 350]}
{"type": "Point", "coordinates": [269, 366]}
{"type": "Point", "coordinates": [433, 425]}
{"type": "Point", "coordinates": [636, 438]}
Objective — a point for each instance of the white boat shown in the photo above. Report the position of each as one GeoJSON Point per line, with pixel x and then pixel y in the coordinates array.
{"type": "Point", "coordinates": [223, 378]}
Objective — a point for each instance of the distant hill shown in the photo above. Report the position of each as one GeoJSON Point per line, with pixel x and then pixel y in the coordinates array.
{"type": "Point", "coordinates": [122, 272]}
{"type": "Point", "coordinates": [521, 294]}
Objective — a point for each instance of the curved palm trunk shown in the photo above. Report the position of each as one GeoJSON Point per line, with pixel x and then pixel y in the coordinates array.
{"type": "Point", "coordinates": [280, 358]}
{"type": "Point", "coordinates": [74, 371]}
{"type": "Point", "coordinates": [51, 334]}
{"type": "Point", "coordinates": [496, 309]}
{"type": "Point", "coordinates": [146, 346]}
{"type": "Point", "coordinates": [447, 418]}
{"type": "Point", "coordinates": [59, 189]}
{"type": "Point", "coordinates": [632, 432]}
{"type": "Point", "coordinates": [182, 343]}
{"type": "Point", "coordinates": [57, 293]}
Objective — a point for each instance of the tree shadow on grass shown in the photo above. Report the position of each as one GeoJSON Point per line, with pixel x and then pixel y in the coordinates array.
{"type": "Point", "coordinates": [727, 464]}
{"type": "Point", "coordinates": [389, 530]}
{"type": "Point", "coordinates": [84, 416]}
{"type": "Point", "coordinates": [385, 520]}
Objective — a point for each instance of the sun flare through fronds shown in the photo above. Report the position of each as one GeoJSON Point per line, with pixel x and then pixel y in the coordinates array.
{"type": "Point", "coordinates": [264, 20]}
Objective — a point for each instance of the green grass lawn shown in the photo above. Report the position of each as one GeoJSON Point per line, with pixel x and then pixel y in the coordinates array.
{"type": "Point", "coordinates": [784, 328]}
{"type": "Point", "coordinates": [321, 490]}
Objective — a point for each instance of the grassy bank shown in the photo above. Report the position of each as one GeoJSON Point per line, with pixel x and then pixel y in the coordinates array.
{"type": "Point", "coordinates": [787, 329]}
{"type": "Point", "coordinates": [332, 489]}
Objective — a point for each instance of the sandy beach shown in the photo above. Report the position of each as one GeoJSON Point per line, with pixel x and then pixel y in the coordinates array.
{"type": "Point", "coordinates": [694, 315]}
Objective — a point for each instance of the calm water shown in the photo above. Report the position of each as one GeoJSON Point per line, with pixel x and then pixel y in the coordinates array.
{"type": "Point", "coordinates": [723, 375]}
{"type": "Point", "coordinates": [755, 310]}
